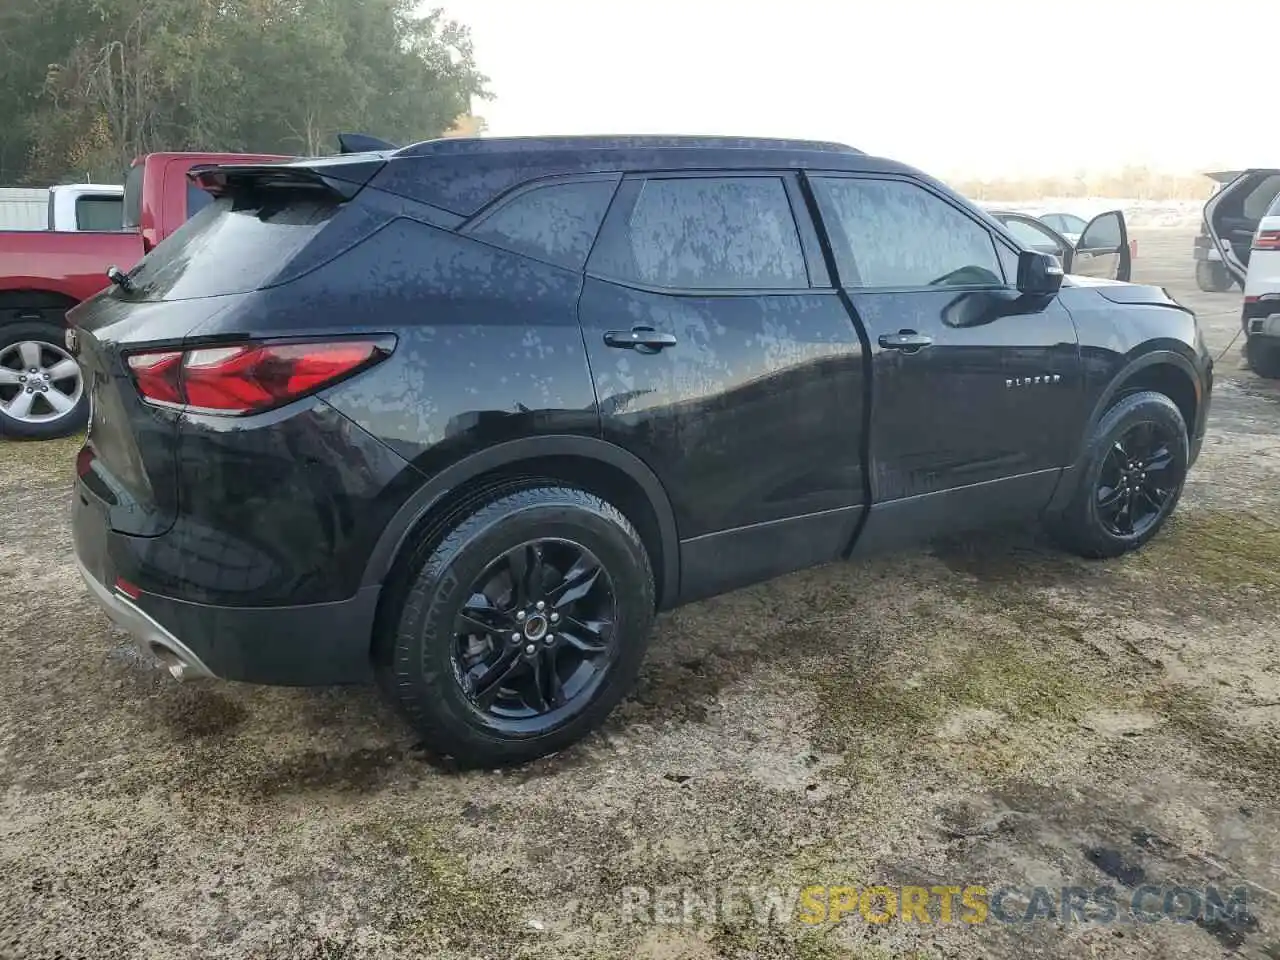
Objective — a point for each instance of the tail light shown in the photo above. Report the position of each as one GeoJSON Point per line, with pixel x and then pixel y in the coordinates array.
{"type": "Point", "coordinates": [249, 377]}
{"type": "Point", "coordinates": [1267, 240]}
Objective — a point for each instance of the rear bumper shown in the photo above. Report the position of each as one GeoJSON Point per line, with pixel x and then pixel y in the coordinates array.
{"type": "Point", "coordinates": [1262, 318]}
{"type": "Point", "coordinates": [151, 637]}
{"type": "Point", "coordinates": [307, 645]}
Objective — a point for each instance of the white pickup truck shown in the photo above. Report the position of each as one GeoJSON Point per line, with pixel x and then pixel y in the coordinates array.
{"type": "Point", "coordinates": [69, 208]}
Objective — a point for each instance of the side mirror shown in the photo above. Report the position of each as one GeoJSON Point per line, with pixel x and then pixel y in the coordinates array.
{"type": "Point", "coordinates": [1039, 274]}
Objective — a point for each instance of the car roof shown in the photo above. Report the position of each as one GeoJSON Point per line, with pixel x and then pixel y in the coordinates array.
{"type": "Point", "coordinates": [462, 174]}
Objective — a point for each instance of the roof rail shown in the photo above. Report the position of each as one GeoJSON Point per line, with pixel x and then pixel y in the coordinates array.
{"type": "Point", "coordinates": [465, 145]}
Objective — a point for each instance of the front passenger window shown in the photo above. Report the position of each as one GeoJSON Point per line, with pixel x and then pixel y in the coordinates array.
{"type": "Point", "coordinates": [890, 233]}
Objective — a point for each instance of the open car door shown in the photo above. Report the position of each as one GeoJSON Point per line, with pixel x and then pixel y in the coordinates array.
{"type": "Point", "coordinates": [1232, 215]}
{"type": "Point", "coordinates": [1103, 249]}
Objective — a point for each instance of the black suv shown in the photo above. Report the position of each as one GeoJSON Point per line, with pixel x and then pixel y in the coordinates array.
{"type": "Point", "coordinates": [463, 416]}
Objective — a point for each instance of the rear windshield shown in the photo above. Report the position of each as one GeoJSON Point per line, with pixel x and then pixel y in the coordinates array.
{"type": "Point", "coordinates": [233, 245]}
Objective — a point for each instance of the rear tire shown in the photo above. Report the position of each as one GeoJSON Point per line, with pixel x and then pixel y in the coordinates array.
{"type": "Point", "coordinates": [1263, 356]}
{"type": "Point", "coordinates": [27, 412]}
{"type": "Point", "coordinates": [476, 693]}
{"type": "Point", "coordinates": [1118, 506]}
{"type": "Point", "coordinates": [1212, 277]}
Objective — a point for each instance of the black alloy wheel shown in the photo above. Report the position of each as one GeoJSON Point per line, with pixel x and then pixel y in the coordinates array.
{"type": "Point", "coordinates": [536, 636]}
{"type": "Point", "coordinates": [1130, 477]}
{"type": "Point", "coordinates": [518, 628]}
{"type": "Point", "coordinates": [1139, 477]}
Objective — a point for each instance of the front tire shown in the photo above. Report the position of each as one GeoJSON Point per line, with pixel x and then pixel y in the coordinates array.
{"type": "Point", "coordinates": [1134, 469]}
{"type": "Point", "coordinates": [521, 629]}
{"type": "Point", "coordinates": [1263, 356]}
{"type": "Point", "coordinates": [42, 392]}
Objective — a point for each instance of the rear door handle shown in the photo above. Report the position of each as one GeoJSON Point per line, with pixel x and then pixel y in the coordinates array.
{"type": "Point", "coordinates": [640, 339]}
{"type": "Point", "coordinates": [907, 341]}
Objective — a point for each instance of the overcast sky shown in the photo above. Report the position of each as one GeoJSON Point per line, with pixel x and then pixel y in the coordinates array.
{"type": "Point", "coordinates": [958, 87]}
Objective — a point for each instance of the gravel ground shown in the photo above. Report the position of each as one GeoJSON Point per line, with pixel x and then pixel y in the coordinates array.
{"type": "Point", "coordinates": [990, 712]}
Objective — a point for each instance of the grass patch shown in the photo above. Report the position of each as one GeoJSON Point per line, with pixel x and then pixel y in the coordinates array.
{"type": "Point", "coordinates": [436, 904]}
{"type": "Point", "coordinates": [40, 459]}
{"type": "Point", "coordinates": [1016, 680]}
{"type": "Point", "coordinates": [986, 690]}
{"type": "Point", "coordinates": [1231, 552]}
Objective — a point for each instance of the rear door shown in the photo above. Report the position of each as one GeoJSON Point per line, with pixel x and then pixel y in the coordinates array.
{"type": "Point", "coordinates": [1233, 213]}
{"type": "Point", "coordinates": [976, 389]}
{"type": "Point", "coordinates": [724, 359]}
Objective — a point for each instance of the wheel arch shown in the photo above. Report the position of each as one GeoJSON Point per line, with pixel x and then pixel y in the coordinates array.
{"type": "Point", "coordinates": [597, 466]}
{"type": "Point", "coordinates": [1164, 371]}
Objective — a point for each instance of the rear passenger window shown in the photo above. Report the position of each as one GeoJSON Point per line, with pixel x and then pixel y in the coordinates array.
{"type": "Point", "coordinates": [889, 233]}
{"type": "Point", "coordinates": [710, 233]}
{"type": "Point", "coordinates": [556, 223]}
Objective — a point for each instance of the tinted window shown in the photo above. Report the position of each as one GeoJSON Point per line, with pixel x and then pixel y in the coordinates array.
{"type": "Point", "coordinates": [233, 245]}
{"type": "Point", "coordinates": [197, 199]}
{"type": "Point", "coordinates": [711, 233]}
{"type": "Point", "coordinates": [1255, 204]}
{"type": "Point", "coordinates": [896, 234]}
{"type": "Point", "coordinates": [99, 213]}
{"type": "Point", "coordinates": [557, 223]}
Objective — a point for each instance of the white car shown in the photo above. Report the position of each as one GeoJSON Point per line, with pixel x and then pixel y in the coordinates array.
{"type": "Point", "coordinates": [1243, 222]}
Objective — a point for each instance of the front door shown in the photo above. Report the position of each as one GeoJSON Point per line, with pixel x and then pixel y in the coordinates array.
{"type": "Point", "coordinates": [1103, 249]}
{"type": "Point", "coordinates": [725, 368]}
{"type": "Point", "coordinates": [976, 389]}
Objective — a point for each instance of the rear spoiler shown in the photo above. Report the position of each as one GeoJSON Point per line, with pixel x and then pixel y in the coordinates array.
{"type": "Point", "coordinates": [341, 177]}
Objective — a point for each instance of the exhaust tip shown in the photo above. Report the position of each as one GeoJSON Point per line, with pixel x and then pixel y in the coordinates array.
{"type": "Point", "coordinates": [177, 667]}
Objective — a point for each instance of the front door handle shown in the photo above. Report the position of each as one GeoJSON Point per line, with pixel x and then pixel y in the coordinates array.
{"type": "Point", "coordinates": [640, 339]}
{"type": "Point", "coordinates": [908, 341]}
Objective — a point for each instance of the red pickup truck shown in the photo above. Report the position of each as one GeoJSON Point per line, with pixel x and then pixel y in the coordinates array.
{"type": "Point", "coordinates": [45, 274]}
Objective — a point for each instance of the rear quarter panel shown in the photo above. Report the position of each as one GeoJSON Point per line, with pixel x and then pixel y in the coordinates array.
{"type": "Point", "coordinates": [488, 348]}
{"type": "Point", "coordinates": [488, 342]}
